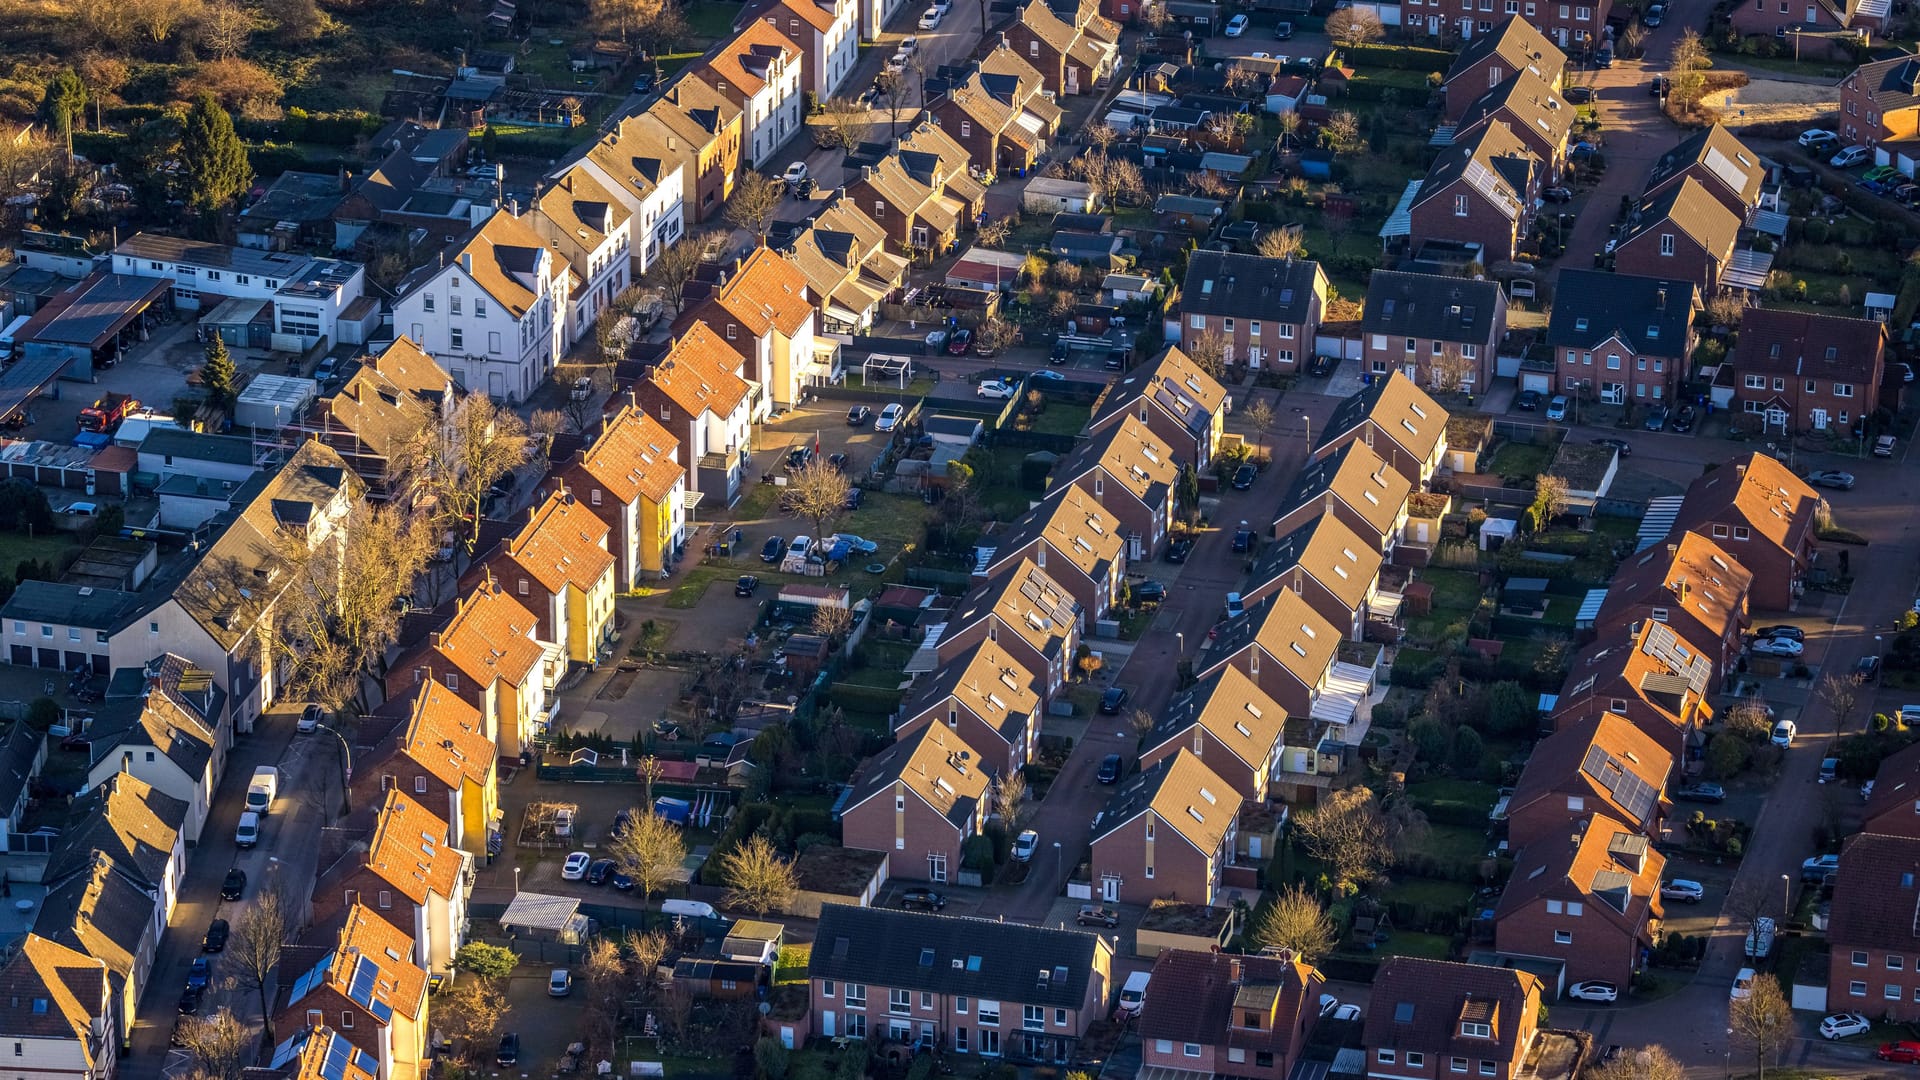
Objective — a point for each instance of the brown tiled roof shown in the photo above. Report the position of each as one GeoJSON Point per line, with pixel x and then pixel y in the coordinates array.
{"type": "Point", "coordinates": [1603, 757]}
{"type": "Point", "coordinates": [103, 913]}
{"type": "Point", "coordinates": [563, 543]}
{"type": "Point", "coordinates": [447, 736]}
{"type": "Point", "coordinates": [692, 376]}
{"type": "Point", "coordinates": [1519, 47]}
{"type": "Point", "coordinates": [128, 819]}
{"type": "Point", "coordinates": [1325, 549]}
{"type": "Point", "coordinates": [401, 984]}
{"type": "Point", "coordinates": [741, 60]}
{"type": "Point", "coordinates": [766, 292]}
{"type": "Point", "coordinates": [936, 764]}
{"type": "Point", "coordinates": [633, 457]}
{"type": "Point", "coordinates": [1398, 409]}
{"type": "Point", "coordinates": [490, 636]}
{"type": "Point", "coordinates": [1026, 600]}
{"type": "Point", "coordinates": [1655, 665]}
{"type": "Point", "coordinates": [577, 205]}
{"type": "Point", "coordinates": [1896, 785]}
{"type": "Point", "coordinates": [1722, 154]}
{"type": "Point", "coordinates": [814, 14]}
{"type": "Point", "coordinates": [1132, 456]}
{"type": "Point", "coordinates": [1357, 477]}
{"type": "Point", "coordinates": [1186, 795]}
{"type": "Point", "coordinates": [1224, 710]}
{"type": "Point", "coordinates": [1876, 894]}
{"type": "Point", "coordinates": [49, 991]}
{"type": "Point", "coordinates": [388, 398]}
{"type": "Point", "coordinates": [1418, 1005]}
{"type": "Point", "coordinates": [409, 850]}
{"type": "Point", "coordinates": [322, 1053]}
{"type": "Point", "coordinates": [1804, 345]}
{"type": "Point", "coordinates": [1198, 996]}
{"type": "Point", "coordinates": [1612, 865]}
{"type": "Point", "coordinates": [987, 680]}
{"type": "Point", "coordinates": [1686, 207]}
{"type": "Point", "coordinates": [633, 155]}
{"type": "Point", "coordinates": [1697, 575]}
{"type": "Point", "coordinates": [1174, 383]}
{"type": "Point", "coordinates": [1075, 526]}
{"type": "Point", "coordinates": [506, 252]}
{"type": "Point", "coordinates": [1287, 629]}
{"type": "Point", "coordinates": [1754, 489]}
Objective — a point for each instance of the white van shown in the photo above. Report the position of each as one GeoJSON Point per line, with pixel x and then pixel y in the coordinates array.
{"type": "Point", "coordinates": [248, 832]}
{"type": "Point", "coordinates": [689, 909]}
{"type": "Point", "coordinates": [9, 337]}
{"type": "Point", "coordinates": [1133, 995]}
{"type": "Point", "coordinates": [263, 789]}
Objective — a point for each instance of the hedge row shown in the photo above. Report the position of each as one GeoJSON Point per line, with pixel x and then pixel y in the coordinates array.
{"type": "Point", "coordinates": [1403, 57]}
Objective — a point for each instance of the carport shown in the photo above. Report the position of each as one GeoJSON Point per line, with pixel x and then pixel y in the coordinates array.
{"type": "Point", "coordinates": [544, 917]}
{"type": "Point", "coordinates": [106, 314]}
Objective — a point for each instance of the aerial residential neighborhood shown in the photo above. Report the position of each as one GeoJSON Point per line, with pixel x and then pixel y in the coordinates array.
{"type": "Point", "coordinates": [843, 539]}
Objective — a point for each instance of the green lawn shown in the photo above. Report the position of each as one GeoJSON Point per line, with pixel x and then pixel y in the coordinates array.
{"type": "Point", "coordinates": [56, 548]}
{"type": "Point", "coordinates": [1463, 793]}
{"type": "Point", "coordinates": [1520, 460]}
{"type": "Point", "coordinates": [1062, 419]}
{"type": "Point", "coordinates": [1413, 943]}
{"type": "Point", "coordinates": [711, 20]}
{"type": "Point", "coordinates": [1429, 893]}
{"type": "Point", "coordinates": [1453, 590]}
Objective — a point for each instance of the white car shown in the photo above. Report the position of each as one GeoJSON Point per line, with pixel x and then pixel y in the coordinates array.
{"type": "Point", "coordinates": [890, 417]}
{"type": "Point", "coordinates": [576, 866]}
{"type": "Point", "coordinates": [908, 46]}
{"type": "Point", "coordinates": [1742, 985]}
{"type": "Point", "coordinates": [994, 388]}
{"type": "Point", "coordinates": [1687, 892]}
{"type": "Point", "coordinates": [1331, 1009]}
{"type": "Point", "coordinates": [1844, 1025]}
{"type": "Point", "coordinates": [1849, 157]}
{"type": "Point", "coordinates": [310, 718]}
{"type": "Point", "coordinates": [800, 546]}
{"type": "Point", "coordinates": [1593, 991]}
{"type": "Point", "coordinates": [1783, 733]}
{"type": "Point", "coordinates": [1236, 26]}
{"type": "Point", "coordinates": [559, 983]}
{"type": "Point", "coordinates": [795, 173]}
{"type": "Point", "coordinates": [1779, 646]}
{"type": "Point", "coordinates": [1025, 845]}
{"type": "Point", "coordinates": [1815, 136]}
{"type": "Point", "coordinates": [931, 20]}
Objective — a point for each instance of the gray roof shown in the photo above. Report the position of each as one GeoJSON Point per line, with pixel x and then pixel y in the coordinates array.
{"type": "Point", "coordinates": [1893, 83]}
{"type": "Point", "coordinates": [53, 603]}
{"type": "Point", "coordinates": [1230, 284]}
{"type": "Point", "coordinates": [1518, 43]}
{"type": "Point", "coordinates": [106, 303]}
{"type": "Point", "coordinates": [1430, 306]}
{"type": "Point", "coordinates": [158, 722]}
{"type": "Point", "coordinates": [280, 266]}
{"type": "Point", "coordinates": [1493, 161]}
{"type": "Point", "coordinates": [963, 426]}
{"type": "Point", "coordinates": [1649, 314]}
{"type": "Point", "coordinates": [19, 748]}
{"type": "Point", "coordinates": [946, 954]}
{"type": "Point", "coordinates": [198, 446]}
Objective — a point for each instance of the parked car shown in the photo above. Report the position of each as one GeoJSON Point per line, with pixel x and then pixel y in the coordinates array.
{"type": "Point", "coordinates": [1133, 995]}
{"type": "Point", "coordinates": [1283, 31]}
{"type": "Point", "coordinates": [1816, 136]}
{"type": "Point", "coordinates": [854, 495]}
{"type": "Point", "coordinates": [575, 868]}
{"type": "Point", "coordinates": [190, 1000]}
{"type": "Point", "coordinates": [1783, 733]}
{"type": "Point", "coordinates": [1044, 375]}
{"type": "Point", "coordinates": [1657, 418]}
{"type": "Point", "coordinates": [1236, 607]}
{"type": "Point", "coordinates": [1178, 551]}
{"type": "Point", "coordinates": [1686, 892]}
{"type": "Point", "coordinates": [1868, 668]}
{"type": "Point", "coordinates": [931, 20]}
{"type": "Point", "coordinates": [1095, 915]}
{"type": "Point", "coordinates": [1621, 445]}
{"type": "Point", "coordinates": [1703, 792]}
{"type": "Point", "coordinates": [994, 388]}
{"type": "Point", "coordinates": [1559, 193]}
{"type": "Point", "coordinates": [1815, 870]}
{"type": "Point", "coordinates": [960, 342]}
{"type": "Point", "coordinates": [1236, 26]}
{"type": "Point", "coordinates": [1850, 156]}
{"type": "Point", "coordinates": [922, 900]}
{"type": "Point", "coordinates": [800, 546]}
{"type": "Point", "coordinates": [798, 458]}
{"type": "Point", "coordinates": [199, 973]}
{"type": "Point", "coordinates": [1603, 58]}
{"type": "Point", "coordinates": [1742, 985]}
{"type": "Point", "coordinates": [1684, 419]}
{"type": "Point", "coordinates": [310, 718]}
{"type": "Point", "coordinates": [1844, 1025]}
{"type": "Point", "coordinates": [1322, 366]}
{"type": "Point", "coordinates": [1243, 540]}
{"type": "Point", "coordinates": [859, 544]}
{"type": "Point", "coordinates": [1557, 408]}
{"type": "Point", "coordinates": [1905, 1052]}
{"type": "Point", "coordinates": [1527, 400]}
{"type": "Point", "coordinates": [1829, 770]}
{"type": "Point", "coordinates": [234, 885]}
{"type": "Point", "coordinates": [1777, 647]}
{"type": "Point", "coordinates": [795, 173]}
{"type": "Point", "coordinates": [1578, 95]}
{"type": "Point", "coordinates": [1113, 701]}
{"type": "Point", "coordinates": [890, 417]}
{"type": "Point", "coordinates": [216, 939]}
{"type": "Point", "coordinates": [775, 547]}
{"type": "Point", "coordinates": [1111, 767]}
{"type": "Point", "coordinates": [509, 1052]}
{"type": "Point", "coordinates": [1654, 15]}
{"type": "Point", "coordinates": [858, 415]}
{"type": "Point", "coordinates": [600, 872]}
{"type": "Point", "coordinates": [1883, 446]}
{"type": "Point", "coordinates": [559, 982]}
{"type": "Point", "coordinates": [1593, 990]}
{"type": "Point", "coordinates": [1025, 845]}
{"type": "Point", "coordinates": [1244, 476]}
{"type": "Point", "coordinates": [1149, 593]}
{"type": "Point", "coordinates": [1831, 478]}
{"type": "Point", "coordinates": [746, 584]}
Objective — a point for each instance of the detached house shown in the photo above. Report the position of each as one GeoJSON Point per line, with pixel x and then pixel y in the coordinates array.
{"type": "Point", "coordinates": [369, 421]}
{"type": "Point", "coordinates": [439, 754]}
{"type": "Point", "coordinates": [1439, 332]}
{"type": "Point", "coordinates": [1228, 1015]}
{"type": "Point", "coordinates": [1167, 832]}
{"type": "Point", "coordinates": [1183, 405]}
{"type": "Point", "coordinates": [764, 313]}
{"type": "Point", "coordinates": [1721, 163]}
{"type": "Point", "coordinates": [1762, 514]}
{"type": "Point", "coordinates": [1627, 339]}
{"type": "Point", "coordinates": [1680, 232]}
{"type": "Point", "coordinates": [920, 800]}
{"type": "Point", "coordinates": [1430, 1019]}
{"type": "Point", "coordinates": [407, 875]}
{"type": "Point", "coordinates": [1286, 648]}
{"type": "Point", "coordinates": [1028, 613]}
{"type": "Point", "coordinates": [1480, 190]}
{"type": "Point", "coordinates": [1600, 764]}
{"type": "Point", "coordinates": [1690, 583]}
{"type": "Point", "coordinates": [1355, 485]}
{"type": "Point", "coordinates": [759, 70]}
{"type": "Point", "coordinates": [1488, 59]}
{"type": "Point", "coordinates": [1804, 372]}
{"type": "Point", "coordinates": [704, 406]}
{"type": "Point", "coordinates": [1396, 420]}
{"type": "Point", "coordinates": [488, 655]}
{"type": "Point", "coordinates": [1652, 678]}
{"type": "Point", "coordinates": [1333, 568]}
{"type": "Point", "coordinates": [628, 476]}
{"type": "Point", "coordinates": [367, 989]}
{"type": "Point", "coordinates": [1228, 723]}
{"type": "Point", "coordinates": [558, 566]}
{"type": "Point", "coordinates": [1872, 942]}
{"type": "Point", "coordinates": [971, 986]}
{"type": "Point", "coordinates": [1587, 896]}
{"type": "Point", "coordinates": [57, 1008]}
{"type": "Point", "coordinates": [1131, 472]}
{"type": "Point", "coordinates": [1268, 309]}
{"type": "Point", "coordinates": [995, 107]}
{"type": "Point", "coordinates": [988, 699]}
{"type": "Point", "coordinates": [1880, 103]}
{"type": "Point", "coordinates": [1072, 537]}
{"type": "Point", "coordinates": [700, 129]}
{"type": "Point", "coordinates": [1894, 806]}
{"type": "Point", "coordinates": [826, 32]}
{"type": "Point", "coordinates": [1072, 57]}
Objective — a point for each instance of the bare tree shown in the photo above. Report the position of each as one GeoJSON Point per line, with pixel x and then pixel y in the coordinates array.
{"type": "Point", "coordinates": [623, 19]}
{"type": "Point", "coordinates": [650, 850]}
{"type": "Point", "coordinates": [1725, 307]}
{"type": "Point", "coordinates": [1153, 17]}
{"type": "Point", "coordinates": [158, 19]}
{"type": "Point", "coordinates": [253, 950]}
{"type": "Point", "coordinates": [1341, 132]}
{"type": "Point", "coordinates": [756, 198]}
{"type": "Point", "coordinates": [1010, 799]}
{"type": "Point", "coordinates": [1749, 718]}
{"type": "Point", "coordinates": [842, 122]}
{"type": "Point", "coordinates": [1763, 1021]}
{"type": "Point", "coordinates": [218, 1044]}
{"type": "Point", "coordinates": [1353, 26]}
{"type": "Point", "coordinates": [455, 462]}
{"type": "Point", "coordinates": [1259, 416]}
{"type": "Point", "coordinates": [1451, 372]}
{"type": "Point", "coordinates": [1281, 243]}
{"type": "Point", "coordinates": [606, 982]}
{"type": "Point", "coordinates": [1647, 1063]}
{"type": "Point", "coordinates": [831, 621]}
{"type": "Point", "coordinates": [1296, 921]}
{"type": "Point", "coordinates": [22, 157]}
{"type": "Point", "coordinates": [1208, 349]}
{"type": "Point", "coordinates": [1100, 136]}
{"type": "Point", "coordinates": [1550, 495]}
{"type": "Point", "coordinates": [758, 879]}
{"type": "Point", "coordinates": [1688, 68]}
{"type": "Point", "coordinates": [646, 953]}
{"type": "Point", "coordinates": [470, 1012]}
{"type": "Point", "coordinates": [1842, 694]}
{"type": "Point", "coordinates": [817, 493]}
{"type": "Point", "coordinates": [897, 87]}
{"type": "Point", "coordinates": [674, 268]}
{"type": "Point", "coordinates": [994, 334]}
{"type": "Point", "coordinates": [225, 27]}
{"type": "Point", "coordinates": [1348, 832]}
{"type": "Point", "coordinates": [1141, 721]}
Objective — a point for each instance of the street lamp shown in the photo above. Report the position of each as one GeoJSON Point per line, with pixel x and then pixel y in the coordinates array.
{"type": "Point", "coordinates": [346, 768]}
{"type": "Point", "coordinates": [1180, 641]}
{"type": "Point", "coordinates": [516, 881]}
{"type": "Point", "coordinates": [1786, 895]}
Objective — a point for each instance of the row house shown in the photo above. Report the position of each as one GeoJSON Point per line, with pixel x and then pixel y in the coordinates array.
{"type": "Point", "coordinates": [1690, 583]}
{"type": "Point", "coordinates": [1806, 372]}
{"type": "Point", "coordinates": [1228, 1015]}
{"type": "Point", "coordinates": [1286, 648]}
{"type": "Point", "coordinates": [700, 129]}
{"type": "Point", "coordinates": [1075, 540]}
{"type": "Point", "coordinates": [591, 230]}
{"type": "Point", "coordinates": [1226, 722]}
{"type": "Point", "coordinates": [376, 416]}
{"type": "Point", "coordinates": [920, 801]}
{"type": "Point", "coordinates": [1720, 162]}
{"type": "Point", "coordinates": [1268, 310]}
{"type": "Point", "coordinates": [704, 406]}
{"type": "Point", "coordinates": [1131, 472]}
{"type": "Point", "coordinates": [1893, 808]}
{"type": "Point", "coordinates": [1873, 936]}
{"type": "Point", "coordinates": [985, 697]}
{"type": "Point", "coordinates": [54, 625]}
{"type": "Point", "coordinates": [364, 985]}
{"type": "Point", "coordinates": [1333, 568]}
{"type": "Point", "coordinates": [1394, 418]}
{"type": "Point", "coordinates": [826, 32]}
{"type": "Point", "coordinates": [996, 107]}
{"type": "Point", "coordinates": [1598, 765]}
{"type": "Point", "coordinates": [968, 986]}
{"type": "Point", "coordinates": [1654, 679]}
{"type": "Point", "coordinates": [486, 654]}
{"type": "Point", "coordinates": [764, 313]}
{"type": "Point", "coordinates": [1479, 191]}
{"type": "Point", "coordinates": [1439, 332]}
{"type": "Point", "coordinates": [1880, 103]}
{"type": "Point", "coordinates": [321, 1053]}
{"type": "Point", "coordinates": [1534, 113]}
{"type": "Point", "coordinates": [1353, 485]}
{"type": "Point", "coordinates": [1762, 514]}
{"type": "Point", "coordinates": [1487, 60]}
{"type": "Point", "coordinates": [103, 910]}
{"type": "Point", "coordinates": [633, 162]}
{"type": "Point", "coordinates": [165, 736]}
{"type": "Point", "coordinates": [1821, 24]}
{"type": "Point", "coordinates": [1681, 233]}
{"type": "Point", "coordinates": [1625, 338]}
{"type": "Point", "coordinates": [1181, 404]}
{"type": "Point", "coordinates": [439, 754]}
{"type": "Point", "coordinates": [494, 313]}
{"type": "Point", "coordinates": [628, 475]}
{"type": "Point", "coordinates": [1586, 896]}
{"type": "Point", "coordinates": [909, 199]}
{"type": "Point", "coordinates": [558, 566]}
{"type": "Point", "coordinates": [1167, 833]}
{"type": "Point", "coordinates": [408, 875]}
{"type": "Point", "coordinates": [138, 826]}
{"type": "Point", "coordinates": [56, 1007]}
{"type": "Point", "coordinates": [760, 71]}
{"type": "Point", "coordinates": [1028, 613]}
{"type": "Point", "coordinates": [1429, 1019]}
{"type": "Point", "coordinates": [1072, 57]}
{"type": "Point", "coordinates": [842, 253]}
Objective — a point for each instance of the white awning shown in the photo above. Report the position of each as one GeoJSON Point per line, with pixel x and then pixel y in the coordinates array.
{"type": "Point", "coordinates": [1400, 222]}
{"type": "Point", "coordinates": [1589, 611]}
{"type": "Point", "coordinates": [1662, 512]}
{"type": "Point", "coordinates": [1339, 700]}
{"type": "Point", "coordinates": [1747, 270]}
{"type": "Point", "coordinates": [1031, 124]}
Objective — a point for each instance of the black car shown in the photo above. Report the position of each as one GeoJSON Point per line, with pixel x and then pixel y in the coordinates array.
{"type": "Point", "coordinates": [1659, 87]}
{"type": "Point", "coordinates": [746, 585]}
{"type": "Point", "coordinates": [1558, 194]}
{"type": "Point", "coordinates": [1283, 32]}
{"type": "Point", "coordinates": [1321, 367]}
{"type": "Point", "coordinates": [1702, 792]}
{"type": "Point", "coordinates": [190, 1001]}
{"type": "Point", "coordinates": [1059, 353]}
{"type": "Point", "coordinates": [773, 549]}
{"type": "Point", "coordinates": [1683, 420]}
{"type": "Point", "coordinates": [1527, 400]}
{"type": "Point", "coordinates": [922, 899]}
{"type": "Point", "coordinates": [1149, 593]}
{"type": "Point", "coordinates": [643, 84]}
{"type": "Point", "coordinates": [216, 939]}
{"type": "Point", "coordinates": [1178, 551]}
{"type": "Point", "coordinates": [1617, 444]}
{"type": "Point", "coordinates": [622, 821]}
{"type": "Point", "coordinates": [1868, 668]}
{"type": "Point", "coordinates": [854, 495]}
{"type": "Point", "coordinates": [1243, 539]}
{"type": "Point", "coordinates": [840, 462]}
{"type": "Point", "coordinates": [600, 871]}
{"type": "Point", "coordinates": [1244, 476]}
{"type": "Point", "coordinates": [1110, 769]}
{"type": "Point", "coordinates": [1578, 95]}
{"type": "Point", "coordinates": [858, 415]}
{"type": "Point", "coordinates": [235, 884]}
{"type": "Point", "coordinates": [1113, 700]}
{"type": "Point", "coordinates": [798, 458]}
{"type": "Point", "coordinates": [509, 1053]}
{"type": "Point", "coordinates": [1791, 633]}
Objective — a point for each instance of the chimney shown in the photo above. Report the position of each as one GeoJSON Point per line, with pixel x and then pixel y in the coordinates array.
{"type": "Point", "coordinates": [1233, 970]}
{"type": "Point", "coordinates": [1329, 498]}
{"type": "Point", "coordinates": [466, 261]}
{"type": "Point", "coordinates": [126, 761]}
{"type": "Point", "coordinates": [672, 143]}
{"type": "Point", "coordinates": [1199, 741]}
{"type": "Point", "coordinates": [866, 172]}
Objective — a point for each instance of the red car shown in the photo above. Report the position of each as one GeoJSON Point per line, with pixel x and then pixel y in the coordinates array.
{"type": "Point", "coordinates": [1905, 1053]}
{"type": "Point", "coordinates": [960, 341]}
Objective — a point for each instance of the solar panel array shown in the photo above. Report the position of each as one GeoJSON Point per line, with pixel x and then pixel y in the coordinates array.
{"type": "Point", "coordinates": [1634, 795]}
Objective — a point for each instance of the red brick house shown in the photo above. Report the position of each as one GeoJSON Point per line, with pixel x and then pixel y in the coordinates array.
{"type": "Point", "coordinates": [985, 697]}
{"type": "Point", "coordinates": [1480, 190]}
{"type": "Point", "coordinates": [1490, 58]}
{"type": "Point", "coordinates": [1357, 486]}
{"type": "Point", "coordinates": [1809, 372]}
{"type": "Point", "coordinates": [1880, 102]}
{"type": "Point", "coordinates": [1336, 570]}
{"type": "Point", "coordinates": [1167, 833]}
{"type": "Point", "coordinates": [1534, 112]}
{"type": "Point", "coordinates": [920, 800]}
{"type": "Point", "coordinates": [363, 986]}
{"type": "Point", "coordinates": [1228, 723]}
{"type": "Point", "coordinates": [1430, 1019]}
{"type": "Point", "coordinates": [1284, 646]}
{"type": "Point", "coordinates": [1756, 509]}
{"type": "Point", "coordinates": [996, 108]}
{"type": "Point", "coordinates": [1071, 59]}
{"type": "Point", "coordinates": [1075, 540]}
{"type": "Point", "coordinates": [1030, 614]}
{"type": "Point", "coordinates": [700, 127]}
{"type": "Point", "coordinates": [1813, 20]}
{"type": "Point", "coordinates": [1587, 896]}
{"type": "Point", "coordinates": [438, 752]}
{"type": "Point", "coordinates": [1598, 764]}
{"type": "Point", "coordinates": [1130, 471]}
{"type": "Point", "coordinates": [1653, 678]}
{"type": "Point", "coordinates": [1394, 417]}
{"type": "Point", "coordinates": [1268, 309]}
{"type": "Point", "coordinates": [1622, 338]}
{"type": "Point", "coordinates": [1690, 583]}
{"type": "Point", "coordinates": [1721, 163]}
{"type": "Point", "coordinates": [1438, 332]}
{"type": "Point", "coordinates": [1894, 807]}
{"type": "Point", "coordinates": [1243, 1016]}
{"type": "Point", "coordinates": [1873, 963]}
{"type": "Point", "coordinates": [1183, 405]}
{"type": "Point", "coordinates": [921, 201]}
{"type": "Point", "coordinates": [1680, 232]}
{"type": "Point", "coordinates": [407, 875]}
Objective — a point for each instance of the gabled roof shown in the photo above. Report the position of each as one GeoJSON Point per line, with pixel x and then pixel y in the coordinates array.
{"type": "Point", "coordinates": [1196, 994]}
{"type": "Point", "coordinates": [1027, 600]}
{"type": "Point", "coordinates": [1061, 36]}
{"type": "Point", "coordinates": [509, 261]}
{"type": "Point", "coordinates": [1893, 83]}
{"type": "Point", "coordinates": [766, 292]}
{"type": "Point", "coordinates": [1286, 629]}
{"type": "Point", "coordinates": [1689, 208]}
{"type": "Point", "coordinates": [1876, 894]}
{"type": "Point", "coordinates": [1756, 490]}
{"type": "Point", "coordinates": [489, 637]}
{"type": "Point", "coordinates": [1603, 757]}
{"type": "Point", "coordinates": [989, 682]}
{"type": "Point", "coordinates": [946, 954]}
{"type": "Point", "coordinates": [1723, 155]}
{"type": "Point", "coordinates": [744, 61]}
{"type": "Point", "coordinates": [1190, 798]}
{"type": "Point", "coordinates": [580, 207]}
{"type": "Point", "coordinates": [1075, 526]}
{"type": "Point", "coordinates": [388, 399]}
{"type": "Point", "coordinates": [447, 736]}
{"type": "Point", "coordinates": [1655, 665]}
{"type": "Point", "coordinates": [1175, 385]}
{"type": "Point", "coordinates": [1689, 572]}
{"type": "Point", "coordinates": [130, 820]}
{"type": "Point", "coordinates": [1356, 477]}
{"type": "Point", "coordinates": [398, 983]}
{"type": "Point", "coordinates": [1526, 102]}
{"type": "Point", "coordinates": [1250, 286]}
{"type": "Point", "coordinates": [20, 753]}
{"type": "Point", "coordinates": [1519, 46]}
{"type": "Point", "coordinates": [563, 543]}
{"type": "Point", "coordinates": [101, 912]}
{"type": "Point", "coordinates": [1611, 864]}
{"type": "Point", "coordinates": [1806, 345]}
{"type": "Point", "coordinates": [936, 765]}
{"type": "Point", "coordinates": [1227, 710]}
{"type": "Point", "coordinates": [1397, 407]}
{"type": "Point", "coordinates": [1648, 315]}
{"type": "Point", "coordinates": [814, 14]}
{"type": "Point", "coordinates": [321, 1053]}
{"type": "Point", "coordinates": [929, 138]}
{"type": "Point", "coordinates": [1419, 1004]}
{"type": "Point", "coordinates": [50, 991]}
{"type": "Point", "coordinates": [1131, 455]}
{"type": "Point", "coordinates": [1453, 309]}
{"type": "Point", "coordinates": [1329, 552]}
{"type": "Point", "coordinates": [633, 457]}
{"type": "Point", "coordinates": [690, 108]}
{"type": "Point", "coordinates": [632, 158]}
{"type": "Point", "coordinates": [692, 376]}
{"type": "Point", "coordinates": [157, 721]}
{"type": "Point", "coordinates": [1896, 785]}
{"type": "Point", "coordinates": [409, 850]}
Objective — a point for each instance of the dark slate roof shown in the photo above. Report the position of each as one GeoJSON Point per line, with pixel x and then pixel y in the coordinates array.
{"type": "Point", "coordinates": [1493, 161]}
{"type": "Point", "coordinates": [947, 954]}
{"type": "Point", "coordinates": [1649, 314]}
{"type": "Point", "coordinates": [197, 446]}
{"type": "Point", "coordinates": [19, 749]}
{"type": "Point", "coordinates": [1232, 285]}
{"type": "Point", "coordinates": [71, 605]}
{"type": "Point", "coordinates": [1893, 83]}
{"type": "Point", "coordinates": [1876, 894]}
{"type": "Point", "coordinates": [1430, 306]}
{"type": "Point", "coordinates": [1688, 207]}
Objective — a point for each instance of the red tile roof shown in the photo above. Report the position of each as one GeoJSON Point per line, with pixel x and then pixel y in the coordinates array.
{"type": "Point", "coordinates": [1198, 997]}
{"type": "Point", "coordinates": [563, 543]}
{"type": "Point", "coordinates": [401, 984]}
{"type": "Point", "coordinates": [1876, 894]}
{"type": "Point", "coordinates": [1420, 1004]}
{"type": "Point", "coordinates": [691, 374]}
{"type": "Point", "coordinates": [409, 850]}
{"type": "Point", "coordinates": [447, 737]}
{"type": "Point", "coordinates": [633, 457]}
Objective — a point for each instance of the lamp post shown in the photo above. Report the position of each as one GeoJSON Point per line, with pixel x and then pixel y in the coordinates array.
{"type": "Point", "coordinates": [516, 881]}
{"type": "Point", "coordinates": [346, 768]}
{"type": "Point", "coordinates": [1729, 1054]}
{"type": "Point", "coordinates": [1786, 895]}
{"type": "Point", "coordinates": [1180, 642]}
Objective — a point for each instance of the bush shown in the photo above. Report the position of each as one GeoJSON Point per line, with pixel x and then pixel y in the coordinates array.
{"type": "Point", "coordinates": [1727, 757]}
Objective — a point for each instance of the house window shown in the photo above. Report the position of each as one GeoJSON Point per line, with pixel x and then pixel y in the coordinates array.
{"type": "Point", "coordinates": [1895, 963]}
{"type": "Point", "coordinates": [426, 301]}
{"type": "Point", "coordinates": [1842, 389]}
{"type": "Point", "coordinates": [1253, 328]}
{"type": "Point", "coordinates": [1190, 1049]}
{"type": "Point", "coordinates": [1554, 907]}
{"type": "Point", "coordinates": [960, 1005]}
{"type": "Point", "coordinates": [826, 988]}
{"type": "Point", "coordinates": [1741, 532]}
{"type": "Point", "coordinates": [1458, 1065]}
{"type": "Point", "coordinates": [1459, 206]}
{"type": "Point", "coordinates": [1779, 385]}
{"type": "Point", "coordinates": [1857, 989]}
{"type": "Point", "coordinates": [1666, 243]}
{"type": "Point", "coordinates": [1563, 937]}
{"type": "Point", "coordinates": [988, 1012]}
{"type": "Point", "coordinates": [1384, 1055]}
{"type": "Point", "coordinates": [419, 785]}
{"type": "Point", "coordinates": [346, 1019]}
{"type": "Point", "coordinates": [1033, 1017]}
{"type": "Point", "coordinates": [926, 1000]}
{"type": "Point", "coordinates": [856, 995]}
{"type": "Point", "coordinates": [1226, 325]}
{"type": "Point", "coordinates": [1756, 382]}
{"type": "Point", "coordinates": [1891, 992]}
{"type": "Point", "coordinates": [594, 497]}
{"type": "Point", "coordinates": [1033, 49]}
{"type": "Point", "coordinates": [1416, 1059]}
{"type": "Point", "coordinates": [1475, 1030]}
{"type": "Point", "coordinates": [386, 899]}
{"type": "Point", "coordinates": [453, 681]}
{"type": "Point", "coordinates": [1487, 1068]}
{"type": "Point", "coordinates": [899, 1001]}
{"type": "Point", "coordinates": [479, 307]}
{"type": "Point", "coordinates": [1059, 1018]}
{"type": "Point", "coordinates": [453, 305]}
{"type": "Point", "coordinates": [1719, 532]}
{"type": "Point", "coordinates": [456, 339]}
{"type": "Point", "coordinates": [1163, 1046]}
{"type": "Point", "coordinates": [966, 128]}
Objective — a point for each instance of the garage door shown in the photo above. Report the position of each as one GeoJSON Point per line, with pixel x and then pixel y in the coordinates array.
{"type": "Point", "coordinates": [1534, 380]}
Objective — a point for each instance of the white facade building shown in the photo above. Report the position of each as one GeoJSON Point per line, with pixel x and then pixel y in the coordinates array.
{"type": "Point", "coordinates": [632, 164]}
{"type": "Point", "coordinates": [760, 71]}
{"type": "Point", "coordinates": [308, 294]}
{"type": "Point", "coordinates": [585, 222]}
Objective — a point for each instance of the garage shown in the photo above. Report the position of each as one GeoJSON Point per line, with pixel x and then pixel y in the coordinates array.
{"type": "Point", "coordinates": [1536, 380]}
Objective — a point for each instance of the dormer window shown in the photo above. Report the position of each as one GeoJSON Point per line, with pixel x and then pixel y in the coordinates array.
{"type": "Point", "coordinates": [1474, 1030]}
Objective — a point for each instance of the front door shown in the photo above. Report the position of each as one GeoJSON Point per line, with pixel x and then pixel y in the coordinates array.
{"type": "Point", "coordinates": [1819, 418]}
{"type": "Point", "coordinates": [1254, 847]}
{"type": "Point", "coordinates": [1110, 889]}
{"type": "Point", "coordinates": [826, 1024]}
{"type": "Point", "coordinates": [937, 866]}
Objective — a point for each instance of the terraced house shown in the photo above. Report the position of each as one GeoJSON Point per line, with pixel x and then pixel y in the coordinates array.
{"type": "Point", "coordinates": [700, 129]}
{"type": "Point", "coordinates": [1805, 372]}
{"type": "Point", "coordinates": [1479, 191]}
{"type": "Point", "coordinates": [1072, 58]}
{"type": "Point", "coordinates": [1327, 564]}
{"type": "Point", "coordinates": [762, 310]}
{"type": "Point", "coordinates": [1679, 232]}
{"type": "Point", "coordinates": [1181, 404]}
{"type": "Point", "coordinates": [1762, 514]}
{"type": "Point", "coordinates": [558, 566]}
{"type": "Point", "coordinates": [628, 476]}
{"type": "Point", "coordinates": [1396, 420]}
{"type": "Point", "coordinates": [1601, 764]}
{"type": "Point", "coordinates": [1650, 677]}
{"type": "Point", "coordinates": [633, 162]}
{"type": "Point", "coordinates": [377, 412]}
{"type": "Point", "coordinates": [407, 875]}
{"type": "Point", "coordinates": [488, 655]}
{"type": "Point", "coordinates": [1131, 472]}
{"type": "Point", "coordinates": [1268, 309]}
{"type": "Point", "coordinates": [1072, 537]}
{"type": "Point", "coordinates": [1721, 163]}
{"type": "Point", "coordinates": [997, 108]}
{"type": "Point", "coordinates": [58, 1012]}
{"type": "Point", "coordinates": [759, 70]}
{"type": "Point", "coordinates": [1026, 611]}
{"type": "Point", "coordinates": [1430, 1019]}
{"type": "Point", "coordinates": [1248, 1016]}
{"type": "Point", "coordinates": [1228, 723]}
{"type": "Point", "coordinates": [437, 752]}
{"type": "Point", "coordinates": [988, 699]}
{"type": "Point", "coordinates": [843, 255]}
{"type": "Point", "coordinates": [920, 801]}
{"type": "Point", "coordinates": [1488, 59]}
{"type": "Point", "coordinates": [591, 229]}
{"type": "Point", "coordinates": [704, 406]}
{"type": "Point", "coordinates": [1167, 832]}
{"type": "Point", "coordinates": [908, 196]}
{"type": "Point", "coordinates": [1587, 896]}
{"type": "Point", "coordinates": [1690, 583]}
{"type": "Point", "coordinates": [363, 985]}
{"type": "Point", "coordinates": [1624, 338]}
{"type": "Point", "coordinates": [1355, 485]}
{"type": "Point", "coordinates": [1288, 650]}
{"type": "Point", "coordinates": [1438, 332]}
